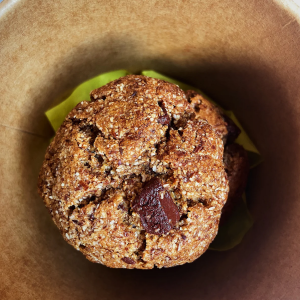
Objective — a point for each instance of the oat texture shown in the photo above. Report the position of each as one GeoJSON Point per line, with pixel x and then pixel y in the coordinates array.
{"type": "Point", "coordinates": [134, 129]}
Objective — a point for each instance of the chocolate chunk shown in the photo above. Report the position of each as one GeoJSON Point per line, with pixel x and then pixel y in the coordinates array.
{"type": "Point", "coordinates": [164, 119]}
{"type": "Point", "coordinates": [128, 260]}
{"type": "Point", "coordinates": [237, 168]}
{"type": "Point", "coordinates": [122, 207]}
{"type": "Point", "coordinates": [92, 217]}
{"type": "Point", "coordinates": [233, 130]}
{"type": "Point", "coordinates": [156, 208]}
{"type": "Point", "coordinates": [71, 208]}
{"type": "Point", "coordinates": [100, 159]}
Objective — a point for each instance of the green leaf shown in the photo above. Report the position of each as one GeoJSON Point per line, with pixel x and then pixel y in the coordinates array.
{"type": "Point", "coordinates": [243, 139]}
{"type": "Point", "coordinates": [232, 232]}
{"type": "Point", "coordinates": [57, 114]}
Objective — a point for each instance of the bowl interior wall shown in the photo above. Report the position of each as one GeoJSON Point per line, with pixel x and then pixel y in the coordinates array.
{"type": "Point", "coordinates": [244, 54]}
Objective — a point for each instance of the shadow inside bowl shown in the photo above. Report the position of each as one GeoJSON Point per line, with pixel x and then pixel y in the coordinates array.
{"type": "Point", "coordinates": [243, 87]}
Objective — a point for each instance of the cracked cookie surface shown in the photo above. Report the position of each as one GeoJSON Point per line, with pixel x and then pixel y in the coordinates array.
{"type": "Point", "coordinates": [235, 156]}
{"type": "Point", "coordinates": [208, 111]}
{"type": "Point", "coordinates": [135, 129]}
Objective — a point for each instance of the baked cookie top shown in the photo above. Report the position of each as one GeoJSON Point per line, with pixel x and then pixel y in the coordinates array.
{"type": "Point", "coordinates": [134, 179]}
{"type": "Point", "coordinates": [206, 110]}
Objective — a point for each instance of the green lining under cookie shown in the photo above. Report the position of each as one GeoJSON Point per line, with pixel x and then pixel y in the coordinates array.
{"type": "Point", "coordinates": [232, 232]}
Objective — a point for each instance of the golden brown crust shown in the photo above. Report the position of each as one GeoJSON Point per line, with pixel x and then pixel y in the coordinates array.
{"type": "Point", "coordinates": [104, 152]}
{"type": "Point", "coordinates": [208, 111]}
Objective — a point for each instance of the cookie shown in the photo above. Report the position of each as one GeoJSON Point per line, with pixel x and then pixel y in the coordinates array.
{"type": "Point", "coordinates": [221, 123]}
{"type": "Point", "coordinates": [235, 156]}
{"type": "Point", "coordinates": [237, 167]}
{"type": "Point", "coordinates": [134, 178]}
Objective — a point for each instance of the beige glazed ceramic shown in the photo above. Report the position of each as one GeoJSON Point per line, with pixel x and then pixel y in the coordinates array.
{"type": "Point", "coordinates": [244, 54]}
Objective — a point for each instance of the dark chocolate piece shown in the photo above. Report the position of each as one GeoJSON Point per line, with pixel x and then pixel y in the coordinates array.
{"type": "Point", "coordinates": [128, 260]}
{"type": "Point", "coordinates": [134, 94]}
{"type": "Point", "coordinates": [233, 130]}
{"type": "Point", "coordinates": [164, 119]}
{"type": "Point", "coordinates": [237, 168]}
{"type": "Point", "coordinates": [156, 208]}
